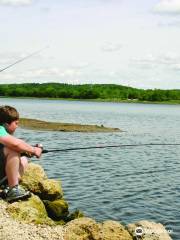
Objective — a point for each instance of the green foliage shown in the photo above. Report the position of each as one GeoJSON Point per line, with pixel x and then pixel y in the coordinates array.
{"type": "Point", "coordinates": [87, 91]}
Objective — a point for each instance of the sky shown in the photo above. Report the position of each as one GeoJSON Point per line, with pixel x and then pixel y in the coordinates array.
{"type": "Point", "coordinates": [128, 42]}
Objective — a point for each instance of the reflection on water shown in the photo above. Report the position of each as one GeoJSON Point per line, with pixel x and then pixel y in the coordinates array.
{"type": "Point", "coordinates": [124, 184]}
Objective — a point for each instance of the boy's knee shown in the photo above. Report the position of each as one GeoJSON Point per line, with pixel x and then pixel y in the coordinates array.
{"type": "Point", "coordinates": [24, 161]}
{"type": "Point", "coordinates": [23, 166]}
{"type": "Point", "coordinates": [10, 153]}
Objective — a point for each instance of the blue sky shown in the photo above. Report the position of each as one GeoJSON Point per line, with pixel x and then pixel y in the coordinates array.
{"type": "Point", "coordinates": [129, 42]}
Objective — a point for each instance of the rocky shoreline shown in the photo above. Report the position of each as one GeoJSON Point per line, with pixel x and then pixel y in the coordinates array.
{"type": "Point", "coordinates": [45, 215]}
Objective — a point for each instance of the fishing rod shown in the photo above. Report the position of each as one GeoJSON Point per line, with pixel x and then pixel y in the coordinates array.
{"type": "Point", "coordinates": [110, 146]}
{"type": "Point", "coordinates": [24, 58]}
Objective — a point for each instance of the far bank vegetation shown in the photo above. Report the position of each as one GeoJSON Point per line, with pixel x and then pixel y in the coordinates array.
{"type": "Point", "coordinates": [107, 92]}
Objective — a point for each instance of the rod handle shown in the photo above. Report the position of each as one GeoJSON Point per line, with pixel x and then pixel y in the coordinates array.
{"type": "Point", "coordinates": [45, 151]}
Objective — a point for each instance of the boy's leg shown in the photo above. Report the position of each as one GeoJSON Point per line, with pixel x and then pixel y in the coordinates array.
{"type": "Point", "coordinates": [12, 166]}
{"type": "Point", "coordinates": [2, 165]}
{"type": "Point", "coordinates": [15, 192]}
{"type": "Point", "coordinates": [23, 166]}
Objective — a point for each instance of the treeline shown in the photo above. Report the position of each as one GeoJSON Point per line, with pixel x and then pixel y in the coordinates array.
{"type": "Point", "coordinates": [87, 91]}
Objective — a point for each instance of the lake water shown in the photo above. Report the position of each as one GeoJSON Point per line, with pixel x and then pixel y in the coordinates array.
{"type": "Point", "coordinates": [123, 184]}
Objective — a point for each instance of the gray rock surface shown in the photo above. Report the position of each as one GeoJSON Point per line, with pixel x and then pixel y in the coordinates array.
{"type": "Point", "coordinates": [149, 230]}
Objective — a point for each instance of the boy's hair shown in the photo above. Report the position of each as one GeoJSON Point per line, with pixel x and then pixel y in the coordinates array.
{"type": "Point", "coordinates": [8, 114]}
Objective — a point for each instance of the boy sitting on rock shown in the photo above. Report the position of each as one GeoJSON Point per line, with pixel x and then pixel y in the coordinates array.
{"type": "Point", "coordinates": [12, 164]}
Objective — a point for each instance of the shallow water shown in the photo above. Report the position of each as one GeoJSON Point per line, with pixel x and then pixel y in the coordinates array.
{"type": "Point", "coordinates": [124, 184]}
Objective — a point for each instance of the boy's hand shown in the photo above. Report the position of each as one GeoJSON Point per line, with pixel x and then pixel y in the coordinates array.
{"type": "Point", "coordinates": [38, 150]}
{"type": "Point", "coordinates": [39, 145]}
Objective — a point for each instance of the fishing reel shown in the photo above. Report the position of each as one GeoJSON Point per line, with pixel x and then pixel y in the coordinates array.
{"type": "Point", "coordinates": [29, 155]}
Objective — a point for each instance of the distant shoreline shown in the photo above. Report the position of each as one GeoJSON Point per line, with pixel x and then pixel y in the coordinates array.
{"type": "Point", "coordinates": [90, 92]}
{"type": "Point", "coordinates": [170, 102]}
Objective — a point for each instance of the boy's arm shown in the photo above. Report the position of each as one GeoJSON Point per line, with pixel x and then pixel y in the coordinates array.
{"type": "Point", "coordinates": [19, 145]}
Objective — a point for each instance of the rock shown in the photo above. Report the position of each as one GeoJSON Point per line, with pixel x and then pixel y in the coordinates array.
{"type": "Point", "coordinates": [82, 229]}
{"type": "Point", "coordinates": [88, 229]}
{"type": "Point", "coordinates": [76, 214]}
{"type": "Point", "coordinates": [50, 189]}
{"type": "Point", "coordinates": [57, 210]}
{"type": "Point", "coordinates": [35, 180]}
{"type": "Point", "coordinates": [149, 230]}
{"type": "Point", "coordinates": [32, 176]}
{"type": "Point", "coordinates": [112, 230]}
{"type": "Point", "coordinates": [49, 194]}
{"type": "Point", "coordinates": [30, 211]}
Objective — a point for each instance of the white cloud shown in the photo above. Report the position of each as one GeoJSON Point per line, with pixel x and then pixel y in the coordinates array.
{"type": "Point", "coordinates": [111, 47]}
{"type": "Point", "coordinates": [150, 61]}
{"type": "Point", "coordinates": [175, 24]}
{"type": "Point", "coordinates": [176, 67]}
{"type": "Point", "coordinates": [80, 65]}
{"type": "Point", "coordinates": [6, 77]}
{"type": "Point", "coordinates": [53, 72]}
{"type": "Point", "coordinates": [168, 6]}
{"type": "Point", "coordinates": [16, 2]}
{"type": "Point", "coordinates": [42, 75]}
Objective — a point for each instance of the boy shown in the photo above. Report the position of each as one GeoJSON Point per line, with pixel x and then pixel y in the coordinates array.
{"type": "Point", "coordinates": [12, 164]}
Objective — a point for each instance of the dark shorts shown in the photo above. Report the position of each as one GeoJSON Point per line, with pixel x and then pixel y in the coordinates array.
{"type": "Point", "coordinates": [2, 162]}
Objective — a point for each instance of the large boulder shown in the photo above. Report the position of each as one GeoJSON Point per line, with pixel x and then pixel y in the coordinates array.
{"type": "Point", "coordinates": [112, 230]}
{"type": "Point", "coordinates": [88, 229]}
{"type": "Point", "coordinates": [50, 189]}
{"type": "Point", "coordinates": [57, 210]}
{"type": "Point", "coordinates": [36, 181]}
{"type": "Point", "coordinates": [30, 211]}
{"type": "Point", "coordinates": [82, 229]}
{"type": "Point", "coordinates": [147, 230]}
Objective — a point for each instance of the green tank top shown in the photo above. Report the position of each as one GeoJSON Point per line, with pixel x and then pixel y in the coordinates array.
{"type": "Point", "coordinates": [3, 131]}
